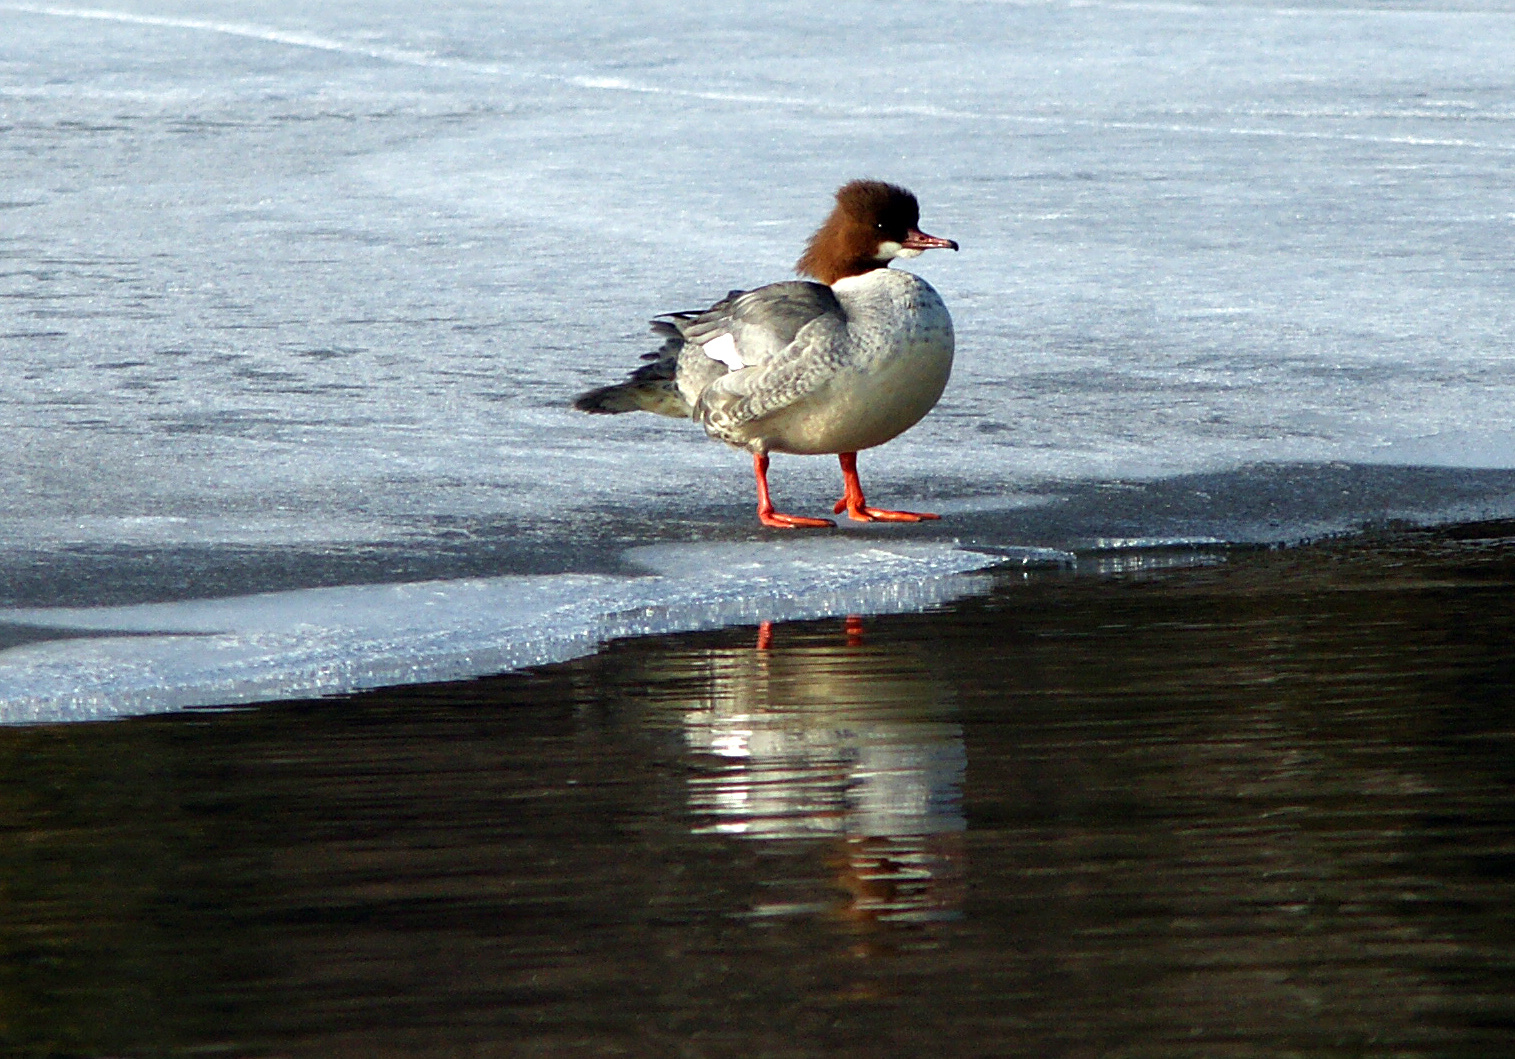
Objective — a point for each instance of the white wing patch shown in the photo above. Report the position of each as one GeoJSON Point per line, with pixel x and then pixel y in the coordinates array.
{"type": "Point", "coordinates": [723, 349]}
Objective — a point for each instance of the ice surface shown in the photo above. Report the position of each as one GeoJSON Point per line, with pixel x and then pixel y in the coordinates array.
{"type": "Point", "coordinates": [157, 656]}
{"type": "Point", "coordinates": [295, 297]}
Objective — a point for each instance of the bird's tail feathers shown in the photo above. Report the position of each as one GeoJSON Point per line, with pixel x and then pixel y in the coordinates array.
{"type": "Point", "coordinates": [651, 388]}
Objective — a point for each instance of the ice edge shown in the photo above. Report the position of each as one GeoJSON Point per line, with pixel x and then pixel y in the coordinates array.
{"type": "Point", "coordinates": [320, 642]}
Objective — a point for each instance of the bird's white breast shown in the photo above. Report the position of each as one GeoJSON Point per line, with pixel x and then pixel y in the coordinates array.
{"type": "Point", "coordinates": [899, 357]}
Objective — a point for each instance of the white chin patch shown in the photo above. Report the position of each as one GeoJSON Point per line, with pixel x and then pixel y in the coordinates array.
{"type": "Point", "coordinates": [723, 349]}
{"type": "Point", "coordinates": [888, 251]}
{"type": "Point", "coordinates": [908, 251]}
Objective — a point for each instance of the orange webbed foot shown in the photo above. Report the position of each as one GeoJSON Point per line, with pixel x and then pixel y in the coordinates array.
{"type": "Point", "coordinates": [857, 508]}
{"type": "Point", "coordinates": [781, 521]}
{"type": "Point", "coordinates": [863, 513]}
{"type": "Point", "coordinates": [769, 517]}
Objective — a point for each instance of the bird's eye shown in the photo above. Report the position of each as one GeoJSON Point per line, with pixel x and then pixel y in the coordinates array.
{"type": "Point", "coordinates": [878, 227]}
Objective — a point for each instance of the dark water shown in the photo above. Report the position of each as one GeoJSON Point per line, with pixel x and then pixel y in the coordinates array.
{"type": "Point", "coordinates": [1261, 807]}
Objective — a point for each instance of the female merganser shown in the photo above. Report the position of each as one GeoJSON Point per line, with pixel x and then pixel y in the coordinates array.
{"type": "Point", "coordinates": [836, 366]}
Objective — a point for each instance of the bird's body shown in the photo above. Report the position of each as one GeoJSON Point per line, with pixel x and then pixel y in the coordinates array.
{"type": "Point", "coordinates": [834, 366]}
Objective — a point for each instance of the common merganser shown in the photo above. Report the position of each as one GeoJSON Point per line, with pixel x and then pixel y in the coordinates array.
{"type": "Point", "coordinates": [836, 366]}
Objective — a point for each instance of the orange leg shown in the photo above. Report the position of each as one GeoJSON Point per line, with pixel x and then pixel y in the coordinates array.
{"type": "Point", "coordinates": [857, 508]}
{"type": "Point", "coordinates": [769, 517]}
{"type": "Point", "coordinates": [765, 635]}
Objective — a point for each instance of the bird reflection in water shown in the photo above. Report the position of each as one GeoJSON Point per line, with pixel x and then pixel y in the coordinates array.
{"type": "Point", "coordinates": [842, 755]}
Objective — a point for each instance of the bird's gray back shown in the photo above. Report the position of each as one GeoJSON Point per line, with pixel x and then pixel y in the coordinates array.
{"type": "Point", "coordinates": [763, 321]}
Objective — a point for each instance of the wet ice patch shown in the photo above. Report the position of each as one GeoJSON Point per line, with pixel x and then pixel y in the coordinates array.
{"type": "Point", "coordinates": [326, 641]}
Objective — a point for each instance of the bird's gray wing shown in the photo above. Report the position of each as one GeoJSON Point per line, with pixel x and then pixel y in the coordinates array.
{"type": "Point", "coordinates": [761, 322]}
{"type": "Point", "coordinates": [782, 378]}
{"type": "Point", "coordinates": [745, 329]}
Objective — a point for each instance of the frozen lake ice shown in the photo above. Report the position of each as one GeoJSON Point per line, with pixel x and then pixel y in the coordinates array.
{"type": "Point", "coordinates": [294, 301]}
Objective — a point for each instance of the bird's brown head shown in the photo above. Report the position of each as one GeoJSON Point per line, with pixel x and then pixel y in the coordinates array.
{"type": "Point", "coordinates": [872, 224]}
